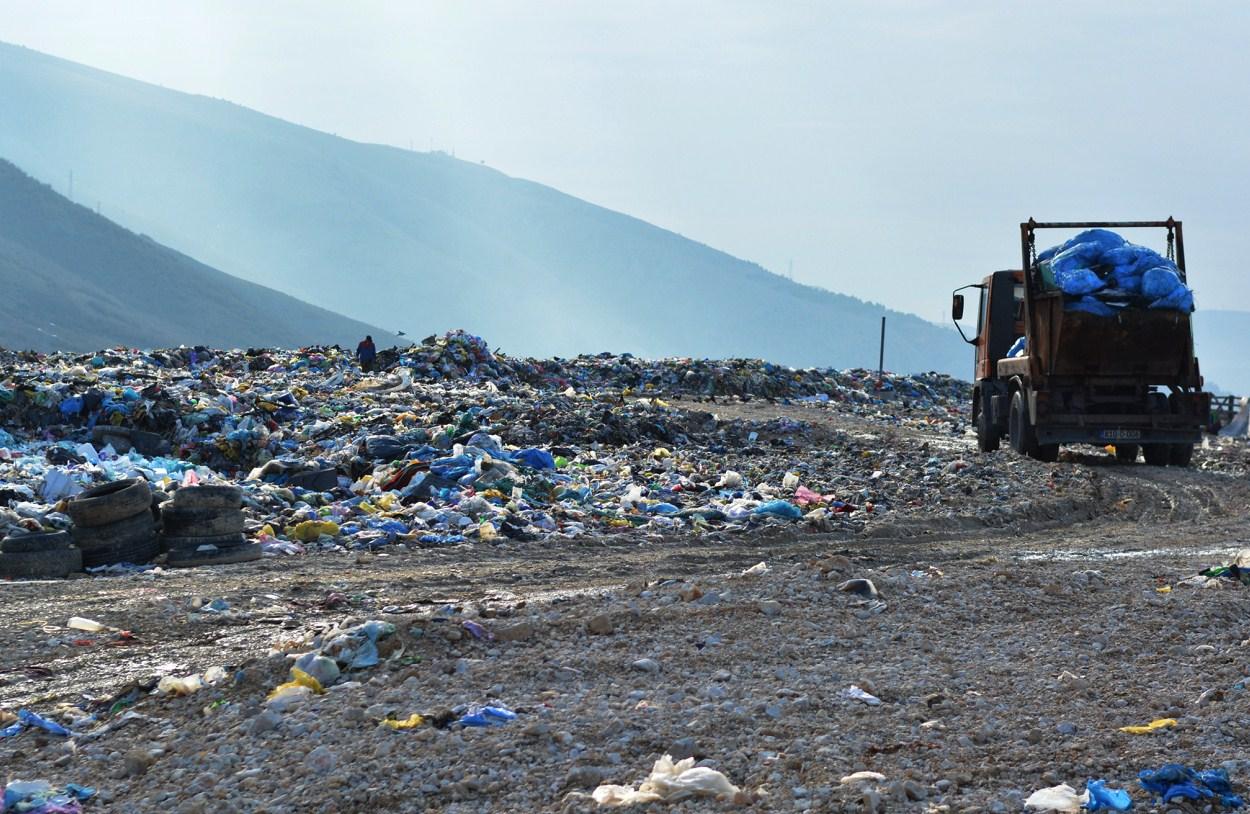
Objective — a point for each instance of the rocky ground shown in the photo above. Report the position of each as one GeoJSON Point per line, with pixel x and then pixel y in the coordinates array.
{"type": "Point", "coordinates": [1025, 612]}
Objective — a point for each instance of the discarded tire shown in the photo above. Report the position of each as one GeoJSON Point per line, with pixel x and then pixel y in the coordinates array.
{"type": "Point", "coordinates": [186, 546]}
{"type": "Point", "coordinates": [110, 503]}
{"type": "Point", "coordinates": [51, 563]}
{"type": "Point", "coordinates": [210, 496]}
{"type": "Point", "coordinates": [136, 551]}
{"type": "Point", "coordinates": [136, 528]}
{"type": "Point", "coordinates": [221, 556]}
{"type": "Point", "coordinates": [26, 543]}
{"type": "Point", "coordinates": [179, 521]}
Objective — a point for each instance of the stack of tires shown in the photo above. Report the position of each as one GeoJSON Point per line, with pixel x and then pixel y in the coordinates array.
{"type": "Point", "coordinates": [203, 525]}
{"type": "Point", "coordinates": [47, 555]}
{"type": "Point", "coordinates": [113, 524]}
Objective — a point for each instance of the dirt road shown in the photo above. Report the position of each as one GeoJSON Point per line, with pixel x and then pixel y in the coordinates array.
{"type": "Point", "coordinates": [1010, 645]}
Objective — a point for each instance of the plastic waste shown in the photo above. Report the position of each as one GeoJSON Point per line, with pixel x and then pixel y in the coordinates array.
{"type": "Point", "coordinates": [411, 722]}
{"type": "Point", "coordinates": [1172, 781]}
{"type": "Point", "coordinates": [88, 625]}
{"type": "Point", "coordinates": [299, 679]}
{"type": "Point", "coordinates": [1018, 348]}
{"type": "Point", "coordinates": [1062, 798]}
{"type": "Point", "coordinates": [778, 508]}
{"type": "Point", "coordinates": [1158, 723]}
{"type": "Point", "coordinates": [325, 671]}
{"type": "Point", "coordinates": [169, 685]}
{"type": "Point", "coordinates": [669, 782]}
{"type": "Point", "coordinates": [1099, 798]}
{"type": "Point", "coordinates": [856, 693]}
{"type": "Point", "coordinates": [485, 715]}
{"type": "Point", "coordinates": [757, 570]}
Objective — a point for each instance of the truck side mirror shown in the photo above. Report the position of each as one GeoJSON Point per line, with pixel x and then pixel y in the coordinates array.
{"type": "Point", "coordinates": [957, 307]}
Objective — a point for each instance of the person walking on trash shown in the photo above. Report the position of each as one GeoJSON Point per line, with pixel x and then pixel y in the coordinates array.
{"type": "Point", "coordinates": [365, 353]}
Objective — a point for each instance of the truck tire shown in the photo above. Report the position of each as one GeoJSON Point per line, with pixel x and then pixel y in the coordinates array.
{"type": "Point", "coordinates": [1127, 453]}
{"type": "Point", "coordinates": [1019, 430]}
{"type": "Point", "coordinates": [1180, 454]}
{"type": "Point", "coordinates": [1046, 453]}
{"type": "Point", "coordinates": [988, 436]}
{"type": "Point", "coordinates": [109, 503]}
{"type": "Point", "coordinates": [1156, 454]}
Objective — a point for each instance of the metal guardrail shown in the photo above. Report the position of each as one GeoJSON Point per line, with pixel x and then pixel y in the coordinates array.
{"type": "Point", "coordinates": [1225, 408]}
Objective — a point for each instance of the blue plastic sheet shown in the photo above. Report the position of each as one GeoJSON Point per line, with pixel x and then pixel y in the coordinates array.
{"type": "Point", "coordinates": [536, 458]}
{"type": "Point", "coordinates": [487, 716]}
{"type": "Point", "coordinates": [1173, 781]}
{"type": "Point", "coordinates": [779, 508]}
{"type": "Point", "coordinates": [1098, 266]}
{"type": "Point", "coordinates": [1102, 798]}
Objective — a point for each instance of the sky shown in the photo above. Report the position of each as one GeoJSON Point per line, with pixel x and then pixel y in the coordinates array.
{"type": "Point", "coordinates": [883, 149]}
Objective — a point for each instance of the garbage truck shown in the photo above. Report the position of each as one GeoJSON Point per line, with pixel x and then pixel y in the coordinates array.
{"type": "Point", "coordinates": [1050, 371]}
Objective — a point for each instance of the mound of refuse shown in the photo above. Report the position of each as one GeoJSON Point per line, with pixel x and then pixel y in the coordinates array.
{"type": "Point", "coordinates": [444, 443]}
{"type": "Point", "coordinates": [1101, 273]}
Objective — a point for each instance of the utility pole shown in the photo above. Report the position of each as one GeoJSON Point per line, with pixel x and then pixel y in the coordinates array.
{"type": "Point", "coordinates": [881, 355]}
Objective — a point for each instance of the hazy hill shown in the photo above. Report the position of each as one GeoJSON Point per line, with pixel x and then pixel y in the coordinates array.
{"type": "Point", "coordinates": [77, 281]}
{"type": "Point", "coordinates": [1220, 341]}
{"type": "Point", "coordinates": [420, 241]}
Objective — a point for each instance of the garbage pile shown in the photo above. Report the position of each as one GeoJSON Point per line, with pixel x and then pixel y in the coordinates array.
{"type": "Point", "coordinates": [449, 444]}
{"type": "Point", "coordinates": [1101, 273]}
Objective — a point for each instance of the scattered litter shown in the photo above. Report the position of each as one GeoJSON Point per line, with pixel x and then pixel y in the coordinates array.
{"type": "Point", "coordinates": [855, 693]}
{"type": "Point", "coordinates": [669, 782]}
{"type": "Point", "coordinates": [1173, 781]}
{"type": "Point", "coordinates": [475, 715]}
{"type": "Point", "coordinates": [1158, 723]}
{"type": "Point", "coordinates": [411, 722]}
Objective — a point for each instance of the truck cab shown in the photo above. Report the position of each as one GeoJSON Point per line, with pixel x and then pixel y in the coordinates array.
{"type": "Point", "coordinates": [1130, 380]}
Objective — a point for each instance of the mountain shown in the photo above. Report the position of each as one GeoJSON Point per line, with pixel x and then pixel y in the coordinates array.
{"type": "Point", "coordinates": [1220, 342]}
{"type": "Point", "coordinates": [73, 280]}
{"type": "Point", "coordinates": [421, 241]}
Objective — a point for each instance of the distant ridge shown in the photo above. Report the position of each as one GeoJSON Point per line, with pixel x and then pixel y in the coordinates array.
{"type": "Point", "coordinates": [422, 242]}
{"type": "Point", "coordinates": [73, 280]}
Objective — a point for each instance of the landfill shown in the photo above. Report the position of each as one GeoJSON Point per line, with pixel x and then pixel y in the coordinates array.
{"type": "Point", "coordinates": [476, 595]}
{"type": "Point", "coordinates": [453, 444]}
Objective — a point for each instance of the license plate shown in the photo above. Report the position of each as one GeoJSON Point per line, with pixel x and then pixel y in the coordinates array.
{"type": "Point", "coordinates": [1121, 435]}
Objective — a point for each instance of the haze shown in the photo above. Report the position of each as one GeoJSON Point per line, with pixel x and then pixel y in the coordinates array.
{"type": "Point", "coordinates": [884, 150]}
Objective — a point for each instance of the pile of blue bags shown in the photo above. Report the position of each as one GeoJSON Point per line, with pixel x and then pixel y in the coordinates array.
{"type": "Point", "coordinates": [1102, 273]}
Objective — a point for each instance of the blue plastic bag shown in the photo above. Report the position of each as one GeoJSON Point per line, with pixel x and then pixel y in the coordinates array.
{"type": "Point", "coordinates": [1103, 798]}
{"type": "Point", "coordinates": [536, 458]}
{"type": "Point", "coordinates": [1181, 299]}
{"type": "Point", "coordinates": [1105, 241]}
{"type": "Point", "coordinates": [1091, 305]}
{"type": "Point", "coordinates": [779, 508]}
{"type": "Point", "coordinates": [486, 716]}
{"type": "Point", "coordinates": [1159, 282]}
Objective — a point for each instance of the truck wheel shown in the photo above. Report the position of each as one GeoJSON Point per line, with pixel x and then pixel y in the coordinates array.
{"type": "Point", "coordinates": [987, 434]}
{"type": "Point", "coordinates": [1157, 454]}
{"type": "Point", "coordinates": [1046, 453]}
{"type": "Point", "coordinates": [1126, 453]}
{"type": "Point", "coordinates": [1019, 432]}
{"type": "Point", "coordinates": [1180, 454]}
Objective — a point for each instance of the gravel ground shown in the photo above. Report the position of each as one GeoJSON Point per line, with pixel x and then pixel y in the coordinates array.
{"type": "Point", "coordinates": [1024, 616]}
